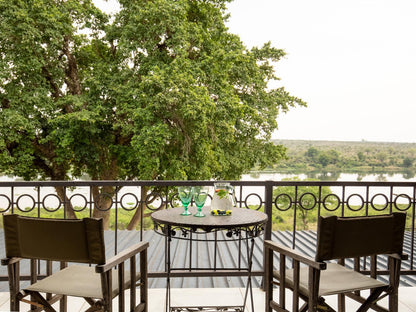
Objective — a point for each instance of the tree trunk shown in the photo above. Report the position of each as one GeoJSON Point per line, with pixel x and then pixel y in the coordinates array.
{"type": "Point", "coordinates": [102, 203]}
{"type": "Point", "coordinates": [138, 214]}
{"type": "Point", "coordinates": [69, 210]}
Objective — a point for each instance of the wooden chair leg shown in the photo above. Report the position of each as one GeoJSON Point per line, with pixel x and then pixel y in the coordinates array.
{"type": "Point", "coordinates": [314, 277]}
{"type": "Point", "coordinates": [341, 303]}
{"type": "Point", "coordinates": [14, 287]}
{"type": "Point", "coordinates": [133, 283]}
{"type": "Point", "coordinates": [143, 279]}
{"type": "Point", "coordinates": [33, 278]}
{"type": "Point", "coordinates": [108, 306]}
{"type": "Point", "coordinates": [107, 286]}
{"type": "Point", "coordinates": [63, 304]}
{"type": "Point", "coordinates": [38, 301]}
{"type": "Point", "coordinates": [121, 279]}
{"type": "Point", "coordinates": [375, 293]}
{"type": "Point", "coordinates": [268, 280]}
{"type": "Point", "coordinates": [394, 269]}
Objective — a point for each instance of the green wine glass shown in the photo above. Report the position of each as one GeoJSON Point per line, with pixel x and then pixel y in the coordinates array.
{"type": "Point", "coordinates": [185, 195]}
{"type": "Point", "coordinates": [200, 194]}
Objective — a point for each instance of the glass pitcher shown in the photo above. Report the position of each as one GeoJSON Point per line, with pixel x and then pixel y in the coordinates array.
{"type": "Point", "coordinates": [223, 199]}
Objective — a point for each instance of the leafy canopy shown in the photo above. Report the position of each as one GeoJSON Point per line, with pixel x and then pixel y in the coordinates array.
{"type": "Point", "coordinates": [158, 90]}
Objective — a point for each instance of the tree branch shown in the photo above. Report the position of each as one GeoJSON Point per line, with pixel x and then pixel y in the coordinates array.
{"type": "Point", "coordinates": [56, 91]}
{"type": "Point", "coordinates": [71, 72]}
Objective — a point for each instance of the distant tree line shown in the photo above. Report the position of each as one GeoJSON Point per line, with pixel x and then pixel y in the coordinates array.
{"type": "Point", "coordinates": [327, 156]}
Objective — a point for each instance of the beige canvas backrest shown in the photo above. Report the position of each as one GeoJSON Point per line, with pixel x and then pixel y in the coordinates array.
{"type": "Point", "coordinates": [340, 238]}
{"type": "Point", "coordinates": [55, 239]}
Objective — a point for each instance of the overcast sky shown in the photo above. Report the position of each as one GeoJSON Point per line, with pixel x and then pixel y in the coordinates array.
{"type": "Point", "coordinates": [352, 61]}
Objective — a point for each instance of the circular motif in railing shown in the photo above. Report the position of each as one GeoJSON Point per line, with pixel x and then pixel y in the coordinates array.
{"type": "Point", "coordinates": [209, 200]}
{"type": "Point", "coordinates": [396, 205]}
{"type": "Point", "coordinates": [73, 204]}
{"type": "Point", "coordinates": [246, 201]}
{"type": "Point", "coordinates": [129, 204]}
{"type": "Point", "coordinates": [303, 201]}
{"type": "Point", "coordinates": [8, 205]}
{"type": "Point", "coordinates": [173, 201]}
{"type": "Point", "coordinates": [47, 206]}
{"type": "Point", "coordinates": [374, 205]}
{"type": "Point", "coordinates": [151, 199]}
{"type": "Point", "coordinates": [352, 196]}
{"type": "Point", "coordinates": [21, 197]}
{"type": "Point", "coordinates": [289, 202]}
{"type": "Point", "coordinates": [326, 202]}
{"type": "Point", "coordinates": [101, 199]}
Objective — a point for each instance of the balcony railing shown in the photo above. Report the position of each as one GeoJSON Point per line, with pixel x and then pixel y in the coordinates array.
{"type": "Point", "coordinates": [290, 205]}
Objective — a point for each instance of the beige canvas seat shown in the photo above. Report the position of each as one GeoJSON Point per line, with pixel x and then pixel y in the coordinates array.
{"type": "Point", "coordinates": [81, 244]}
{"type": "Point", "coordinates": [339, 238]}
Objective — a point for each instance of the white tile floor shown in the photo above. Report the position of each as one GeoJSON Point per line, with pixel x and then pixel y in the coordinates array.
{"type": "Point", "coordinates": [218, 296]}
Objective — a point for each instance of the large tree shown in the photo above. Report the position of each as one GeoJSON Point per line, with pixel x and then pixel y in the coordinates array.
{"type": "Point", "coordinates": [159, 90]}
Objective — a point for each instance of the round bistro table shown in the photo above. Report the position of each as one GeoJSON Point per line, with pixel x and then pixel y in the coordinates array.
{"type": "Point", "coordinates": [243, 224]}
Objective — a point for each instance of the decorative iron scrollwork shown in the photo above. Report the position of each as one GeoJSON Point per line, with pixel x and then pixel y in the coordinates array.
{"type": "Point", "coordinates": [184, 232]}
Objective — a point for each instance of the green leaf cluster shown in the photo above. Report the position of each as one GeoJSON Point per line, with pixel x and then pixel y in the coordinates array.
{"type": "Point", "coordinates": [159, 90]}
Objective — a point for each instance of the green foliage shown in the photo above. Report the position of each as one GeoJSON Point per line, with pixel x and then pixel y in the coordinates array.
{"type": "Point", "coordinates": [336, 157]}
{"type": "Point", "coordinates": [408, 162]}
{"type": "Point", "coordinates": [159, 90]}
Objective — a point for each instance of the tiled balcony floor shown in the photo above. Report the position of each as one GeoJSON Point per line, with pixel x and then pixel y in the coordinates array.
{"type": "Point", "coordinates": [219, 296]}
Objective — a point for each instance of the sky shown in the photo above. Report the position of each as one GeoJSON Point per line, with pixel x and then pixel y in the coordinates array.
{"type": "Point", "coordinates": [352, 61]}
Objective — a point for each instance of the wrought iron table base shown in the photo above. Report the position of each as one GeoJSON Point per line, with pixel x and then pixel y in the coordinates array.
{"type": "Point", "coordinates": [231, 308]}
{"type": "Point", "coordinates": [243, 221]}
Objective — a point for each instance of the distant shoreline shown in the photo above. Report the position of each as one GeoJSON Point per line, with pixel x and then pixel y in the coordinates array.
{"type": "Point", "coordinates": [281, 141]}
{"type": "Point", "coordinates": [361, 157]}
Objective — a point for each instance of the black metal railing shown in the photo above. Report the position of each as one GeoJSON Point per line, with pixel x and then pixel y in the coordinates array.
{"type": "Point", "coordinates": [290, 205]}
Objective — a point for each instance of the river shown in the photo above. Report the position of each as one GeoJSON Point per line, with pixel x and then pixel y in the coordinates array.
{"type": "Point", "coordinates": [387, 177]}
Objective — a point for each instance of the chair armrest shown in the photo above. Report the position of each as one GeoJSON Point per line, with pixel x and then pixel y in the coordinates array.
{"type": "Point", "coordinates": [121, 257]}
{"type": "Point", "coordinates": [7, 261]}
{"type": "Point", "coordinates": [294, 255]}
{"type": "Point", "coordinates": [399, 256]}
